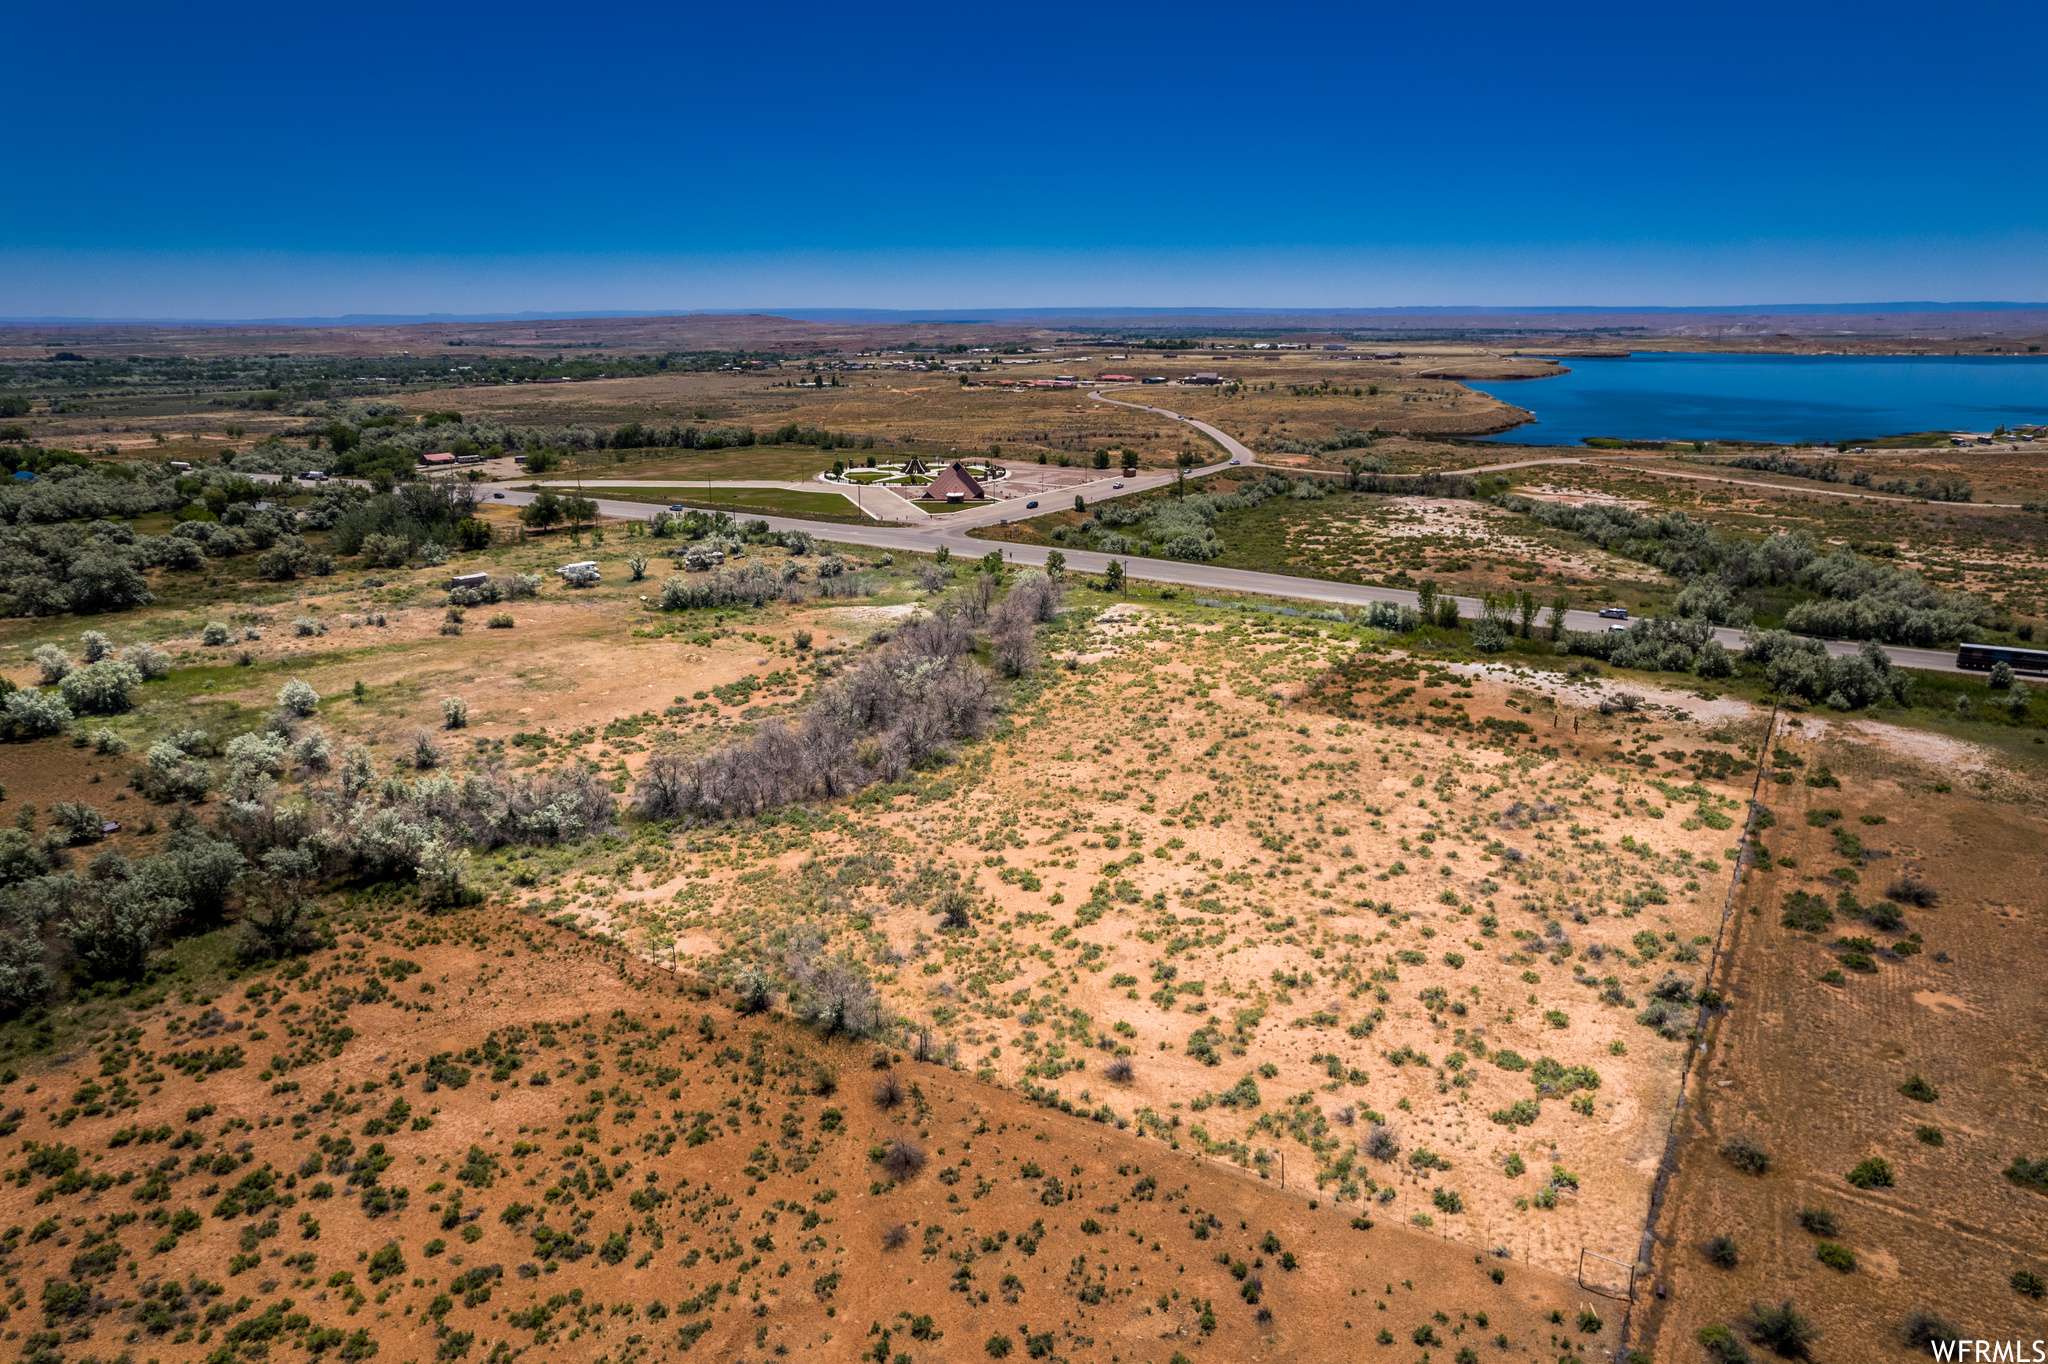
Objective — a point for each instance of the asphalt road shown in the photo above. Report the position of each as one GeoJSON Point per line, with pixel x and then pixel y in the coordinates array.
{"type": "Point", "coordinates": [950, 530]}
{"type": "Point", "coordinates": [925, 539]}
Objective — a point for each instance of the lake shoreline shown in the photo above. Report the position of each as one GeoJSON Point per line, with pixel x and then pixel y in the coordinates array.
{"type": "Point", "coordinates": [1768, 400]}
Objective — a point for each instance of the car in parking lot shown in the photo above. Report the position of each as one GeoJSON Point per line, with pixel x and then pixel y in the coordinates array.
{"type": "Point", "coordinates": [1614, 613]}
{"type": "Point", "coordinates": [1032, 503]}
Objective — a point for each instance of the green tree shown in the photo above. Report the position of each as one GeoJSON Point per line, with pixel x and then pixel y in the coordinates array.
{"type": "Point", "coordinates": [578, 511]}
{"type": "Point", "coordinates": [544, 512]}
{"type": "Point", "coordinates": [1113, 576]}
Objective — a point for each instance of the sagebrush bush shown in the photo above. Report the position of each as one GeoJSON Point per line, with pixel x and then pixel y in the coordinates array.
{"type": "Point", "coordinates": [1922, 1330]}
{"type": "Point", "coordinates": [1782, 1329]}
{"type": "Point", "coordinates": [298, 698]}
{"type": "Point", "coordinates": [903, 1158]}
{"type": "Point", "coordinates": [1910, 889]}
{"type": "Point", "coordinates": [1745, 1155]}
{"type": "Point", "coordinates": [148, 660]}
{"type": "Point", "coordinates": [33, 714]}
{"type": "Point", "coordinates": [52, 664]}
{"type": "Point", "coordinates": [102, 688]}
{"type": "Point", "coordinates": [898, 709]}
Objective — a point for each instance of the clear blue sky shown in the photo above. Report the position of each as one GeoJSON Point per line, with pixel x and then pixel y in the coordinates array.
{"type": "Point", "coordinates": [230, 161]}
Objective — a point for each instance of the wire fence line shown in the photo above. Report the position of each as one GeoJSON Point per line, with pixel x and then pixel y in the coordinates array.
{"type": "Point", "coordinates": [1696, 1054]}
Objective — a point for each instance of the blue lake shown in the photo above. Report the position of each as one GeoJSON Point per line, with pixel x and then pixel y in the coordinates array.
{"type": "Point", "coordinates": [1786, 398]}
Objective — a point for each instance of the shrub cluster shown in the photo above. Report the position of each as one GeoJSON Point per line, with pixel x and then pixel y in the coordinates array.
{"type": "Point", "coordinates": [1852, 597]}
{"type": "Point", "coordinates": [903, 706]}
{"type": "Point", "coordinates": [1804, 668]}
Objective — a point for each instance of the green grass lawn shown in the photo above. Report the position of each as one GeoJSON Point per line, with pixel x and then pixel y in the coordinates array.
{"type": "Point", "coordinates": [747, 461]}
{"type": "Point", "coordinates": [757, 501]}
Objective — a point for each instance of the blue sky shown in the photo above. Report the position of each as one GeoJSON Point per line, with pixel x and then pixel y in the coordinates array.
{"type": "Point", "coordinates": [230, 161]}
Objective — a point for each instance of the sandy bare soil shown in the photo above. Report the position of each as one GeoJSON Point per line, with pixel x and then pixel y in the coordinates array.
{"type": "Point", "coordinates": [1821, 1035]}
{"type": "Point", "coordinates": [1294, 923]}
{"type": "Point", "coordinates": [468, 1137]}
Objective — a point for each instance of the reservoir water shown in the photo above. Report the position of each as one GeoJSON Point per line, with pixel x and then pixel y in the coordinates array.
{"type": "Point", "coordinates": [1661, 395]}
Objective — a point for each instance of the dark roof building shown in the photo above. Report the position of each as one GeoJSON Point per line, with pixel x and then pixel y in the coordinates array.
{"type": "Point", "coordinates": [954, 484]}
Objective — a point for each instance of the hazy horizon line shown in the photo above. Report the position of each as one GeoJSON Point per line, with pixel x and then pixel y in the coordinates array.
{"type": "Point", "coordinates": [1017, 312]}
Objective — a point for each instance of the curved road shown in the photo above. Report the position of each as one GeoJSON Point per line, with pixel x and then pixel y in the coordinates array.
{"type": "Point", "coordinates": [942, 532]}
{"type": "Point", "coordinates": [951, 530]}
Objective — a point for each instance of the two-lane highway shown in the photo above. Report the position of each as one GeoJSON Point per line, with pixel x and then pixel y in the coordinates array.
{"type": "Point", "coordinates": [926, 538]}
{"type": "Point", "coordinates": [951, 532]}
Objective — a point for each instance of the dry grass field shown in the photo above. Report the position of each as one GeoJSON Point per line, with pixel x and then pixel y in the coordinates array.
{"type": "Point", "coordinates": [474, 1137]}
{"type": "Point", "coordinates": [368, 1146]}
{"type": "Point", "coordinates": [1237, 981]}
{"type": "Point", "coordinates": [1998, 553]}
{"type": "Point", "coordinates": [927, 412]}
{"type": "Point", "coordinates": [1909, 1036]}
{"type": "Point", "coordinates": [1239, 898]}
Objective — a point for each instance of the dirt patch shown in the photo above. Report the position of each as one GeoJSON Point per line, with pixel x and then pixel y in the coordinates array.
{"type": "Point", "coordinates": [1115, 628]}
{"type": "Point", "coordinates": [1905, 1034]}
{"type": "Point", "coordinates": [1295, 925]}
{"type": "Point", "coordinates": [474, 1136]}
{"type": "Point", "coordinates": [1581, 497]}
{"type": "Point", "coordinates": [1592, 692]}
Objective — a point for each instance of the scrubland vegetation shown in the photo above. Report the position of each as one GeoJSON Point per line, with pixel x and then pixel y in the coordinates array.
{"type": "Point", "coordinates": [750, 946]}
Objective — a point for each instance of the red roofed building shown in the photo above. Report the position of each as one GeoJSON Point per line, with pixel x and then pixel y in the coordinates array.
{"type": "Point", "coordinates": [1116, 378]}
{"type": "Point", "coordinates": [438, 458]}
{"type": "Point", "coordinates": [954, 484]}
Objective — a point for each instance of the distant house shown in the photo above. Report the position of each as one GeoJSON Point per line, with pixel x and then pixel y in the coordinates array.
{"type": "Point", "coordinates": [954, 484]}
{"type": "Point", "coordinates": [438, 459]}
{"type": "Point", "coordinates": [1205, 376]}
{"type": "Point", "coordinates": [1116, 378]}
{"type": "Point", "coordinates": [468, 580]}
